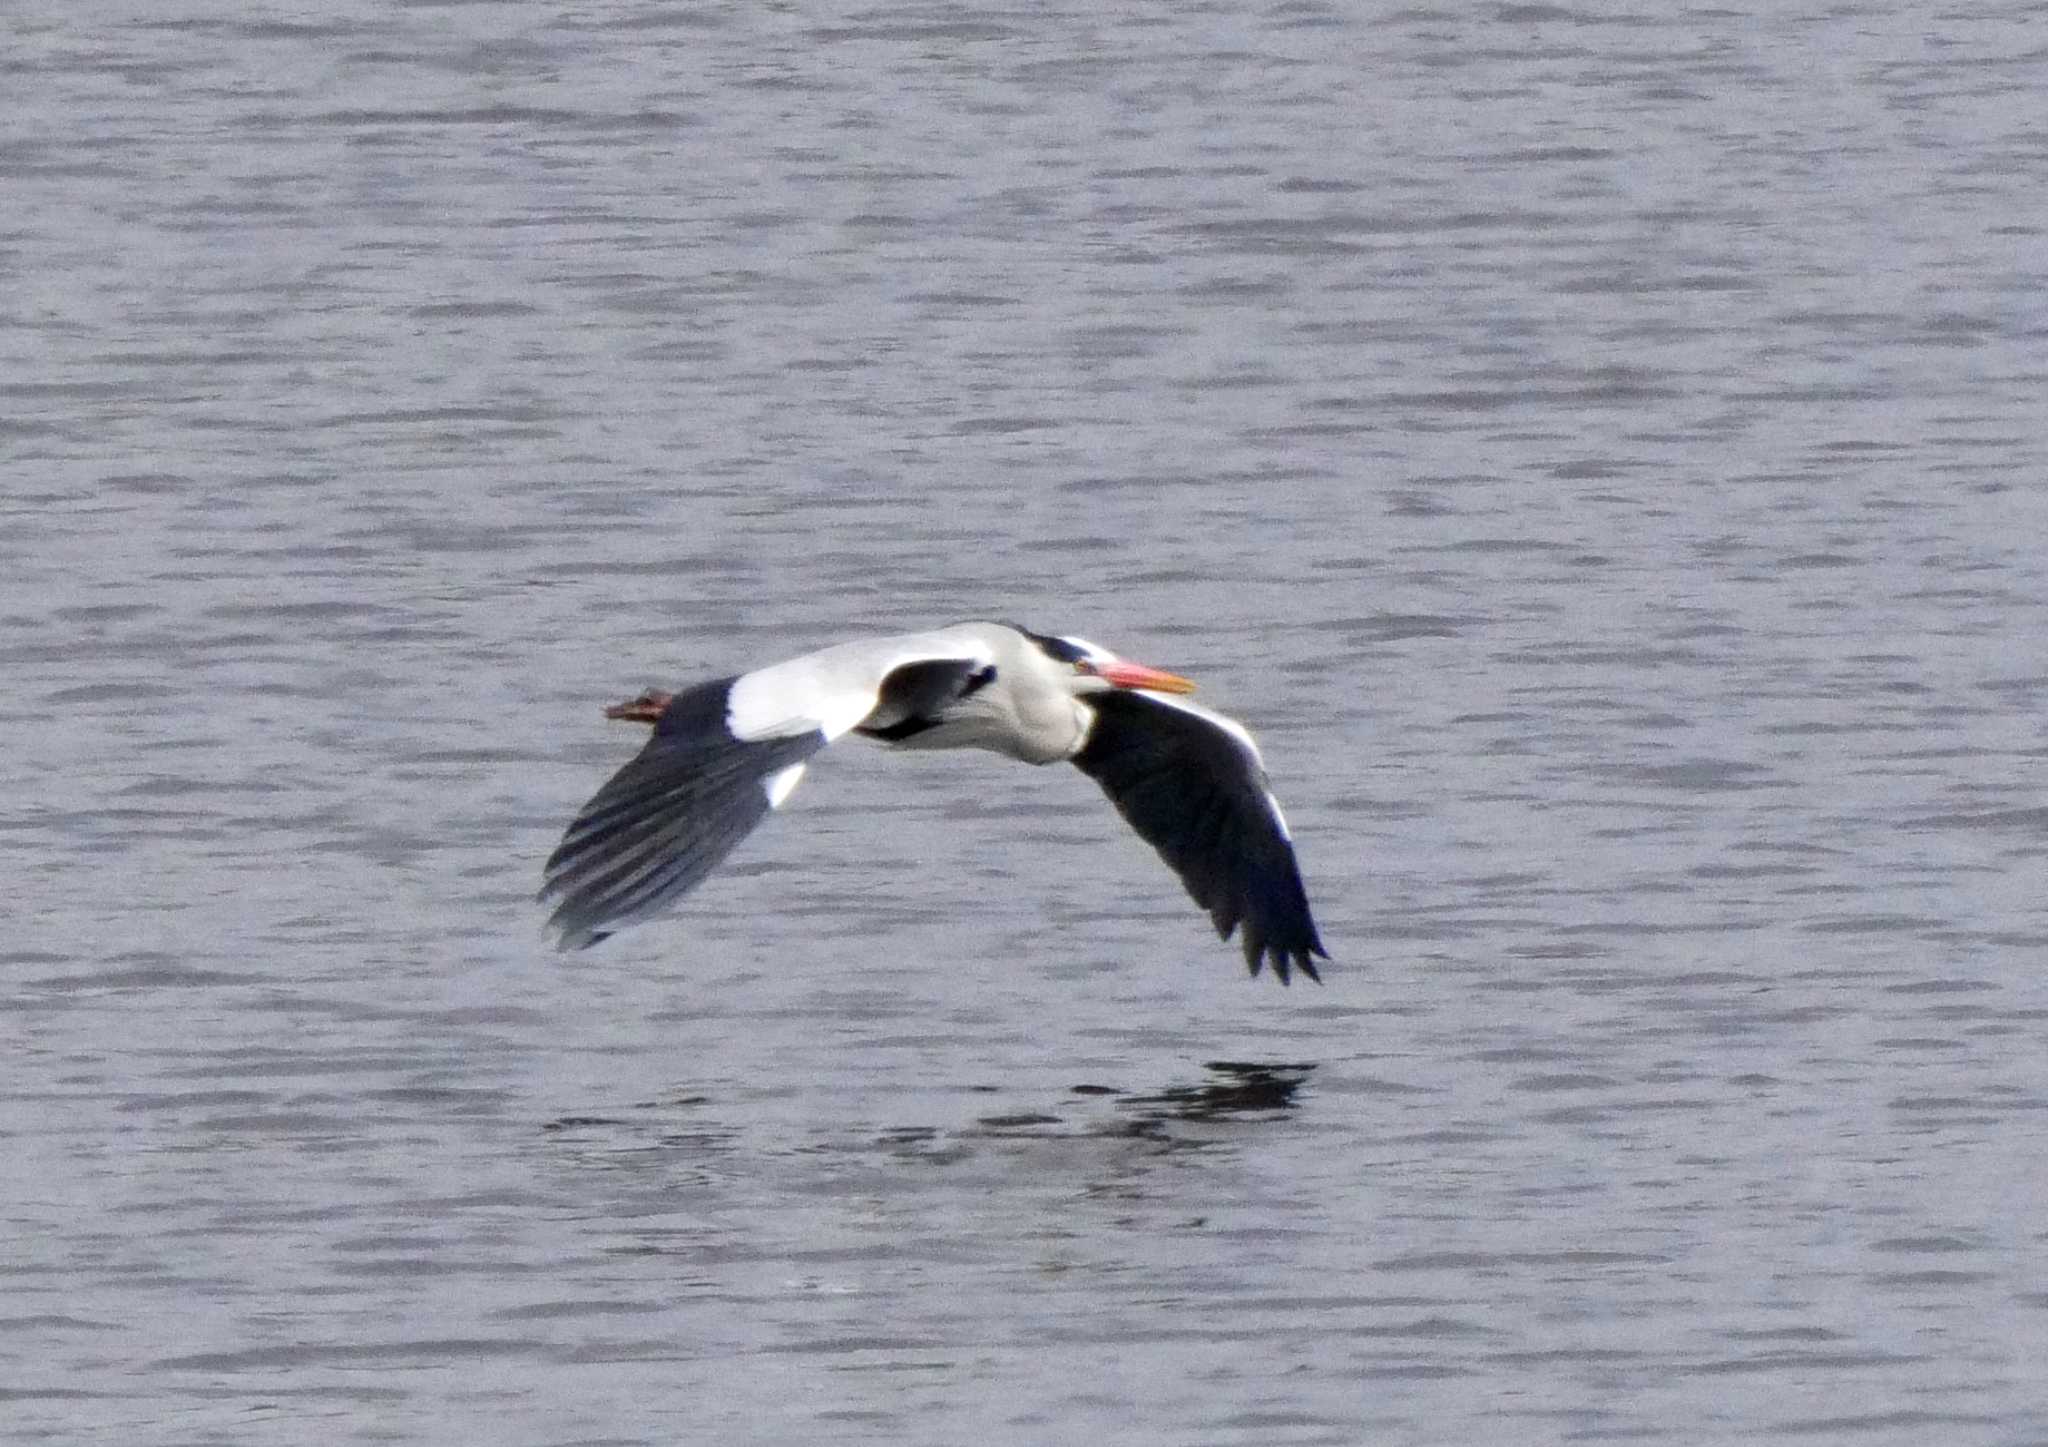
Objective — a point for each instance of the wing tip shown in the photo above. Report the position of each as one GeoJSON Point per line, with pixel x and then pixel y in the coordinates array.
{"type": "Point", "coordinates": [1285, 958]}
{"type": "Point", "coordinates": [571, 935]}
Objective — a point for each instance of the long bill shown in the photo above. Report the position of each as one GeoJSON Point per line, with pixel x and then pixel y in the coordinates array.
{"type": "Point", "coordinates": [1125, 674]}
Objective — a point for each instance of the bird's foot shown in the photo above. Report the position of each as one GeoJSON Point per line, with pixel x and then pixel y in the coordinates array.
{"type": "Point", "coordinates": [647, 708]}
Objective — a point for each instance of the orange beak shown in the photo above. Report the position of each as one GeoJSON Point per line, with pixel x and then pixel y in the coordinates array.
{"type": "Point", "coordinates": [1137, 675]}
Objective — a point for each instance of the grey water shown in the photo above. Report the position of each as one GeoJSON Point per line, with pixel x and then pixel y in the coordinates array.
{"type": "Point", "coordinates": [1600, 452]}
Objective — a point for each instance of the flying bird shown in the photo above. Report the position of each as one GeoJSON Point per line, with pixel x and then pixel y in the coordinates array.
{"type": "Point", "coordinates": [728, 752]}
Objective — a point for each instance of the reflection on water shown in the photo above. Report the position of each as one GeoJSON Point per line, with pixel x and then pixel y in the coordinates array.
{"type": "Point", "coordinates": [1231, 1091]}
{"type": "Point", "coordinates": [1234, 1090]}
{"type": "Point", "coordinates": [1239, 1089]}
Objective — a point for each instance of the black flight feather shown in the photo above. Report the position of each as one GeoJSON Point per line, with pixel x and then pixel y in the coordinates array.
{"type": "Point", "coordinates": [1198, 796]}
{"type": "Point", "coordinates": [666, 819]}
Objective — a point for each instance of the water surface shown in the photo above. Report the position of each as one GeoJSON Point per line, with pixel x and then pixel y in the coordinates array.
{"type": "Point", "coordinates": [1600, 455]}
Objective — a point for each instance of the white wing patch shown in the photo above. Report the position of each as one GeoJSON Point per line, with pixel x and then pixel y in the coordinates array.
{"type": "Point", "coordinates": [794, 698]}
{"type": "Point", "coordinates": [781, 784]}
{"type": "Point", "coordinates": [833, 689]}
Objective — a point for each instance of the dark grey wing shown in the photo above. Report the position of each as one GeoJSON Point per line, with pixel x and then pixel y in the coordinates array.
{"type": "Point", "coordinates": [1190, 782]}
{"type": "Point", "coordinates": [667, 818]}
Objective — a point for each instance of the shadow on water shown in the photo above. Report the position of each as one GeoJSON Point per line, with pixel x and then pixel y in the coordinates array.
{"type": "Point", "coordinates": [1237, 1089]}
{"type": "Point", "coordinates": [1230, 1092]}
{"type": "Point", "coordinates": [1233, 1091]}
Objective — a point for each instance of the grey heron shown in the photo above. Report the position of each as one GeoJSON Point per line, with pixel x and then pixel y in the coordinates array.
{"type": "Point", "coordinates": [727, 752]}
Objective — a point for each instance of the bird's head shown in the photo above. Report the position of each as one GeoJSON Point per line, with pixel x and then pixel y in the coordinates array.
{"type": "Point", "coordinates": [1095, 669]}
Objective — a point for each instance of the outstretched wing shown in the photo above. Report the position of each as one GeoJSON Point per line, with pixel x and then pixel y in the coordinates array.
{"type": "Point", "coordinates": [667, 818]}
{"type": "Point", "coordinates": [1192, 784]}
{"type": "Point", "coordinates": [724, 755]}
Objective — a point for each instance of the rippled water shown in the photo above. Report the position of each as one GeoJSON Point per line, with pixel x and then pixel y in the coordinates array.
{"type": "Point", "coordinates": [1601, 454]}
